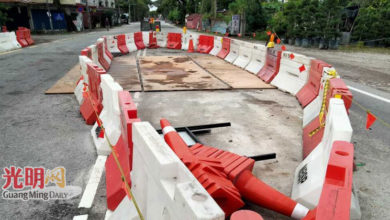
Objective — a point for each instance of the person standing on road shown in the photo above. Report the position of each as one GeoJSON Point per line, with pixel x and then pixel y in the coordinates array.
{"type": "Point", "coordinates": [107, 24]}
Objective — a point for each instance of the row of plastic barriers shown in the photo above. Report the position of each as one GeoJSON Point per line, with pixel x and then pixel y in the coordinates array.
{"type": "Point", "coordinates": [163, 187]}
{"type": "Point", "coordinates": [15, 40]}
{"type": "Point", "coordinates": [150, 167]}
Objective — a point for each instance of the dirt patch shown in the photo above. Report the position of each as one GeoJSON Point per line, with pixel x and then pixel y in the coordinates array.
{"type": "Point", "coordinates": [181, 59]}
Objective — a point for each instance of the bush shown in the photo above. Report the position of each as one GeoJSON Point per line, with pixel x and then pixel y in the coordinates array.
{"type": "Point", "coordinates": [174, 15]}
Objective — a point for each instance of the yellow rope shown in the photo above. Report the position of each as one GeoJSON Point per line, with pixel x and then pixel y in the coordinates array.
{"type": "Point", "coordinates": [128, 189]}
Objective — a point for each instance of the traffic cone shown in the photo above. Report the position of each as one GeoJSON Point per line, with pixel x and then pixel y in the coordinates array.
{"type": "Point", "coordinates": [173, 139]}
{"type": "Point", "coordinates": [191, 47]}
{"type": "Point", "coordinates": [264, 195]}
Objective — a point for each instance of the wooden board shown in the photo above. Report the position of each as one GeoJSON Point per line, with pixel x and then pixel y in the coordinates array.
{"type": "Point", "coordinates": [234, 76]}
{"type": "Point", "coordinates": [162, 73]}
{"type": "Point", "coordinates": [124, 71]}
{"type": "Point", "coordinates": [67, 83]}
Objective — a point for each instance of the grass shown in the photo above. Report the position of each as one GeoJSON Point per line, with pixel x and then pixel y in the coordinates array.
{"type": "Point", "coordinates": [364, 49]}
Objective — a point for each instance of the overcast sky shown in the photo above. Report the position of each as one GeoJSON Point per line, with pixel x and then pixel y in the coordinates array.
{"type": "Point", "coordinates": [153, 8]}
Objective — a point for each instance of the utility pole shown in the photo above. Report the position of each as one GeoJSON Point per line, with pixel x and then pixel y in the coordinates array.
{"type": "Point", "coordinates": [49, 15]}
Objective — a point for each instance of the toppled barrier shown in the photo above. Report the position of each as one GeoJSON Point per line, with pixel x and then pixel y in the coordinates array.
{"type": "Point", "coordinates": [227, 176]}
{"type": "Point", "coordinates": [158, 171]}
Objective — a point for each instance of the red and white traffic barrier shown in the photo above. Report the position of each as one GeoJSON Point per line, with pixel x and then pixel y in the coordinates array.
{"type": "Point", "coordinates": [234, 50]}
{"type": "Point", "coordinates": [130, 42]}
{"type": "Point", "coordinates": [258, 58]}
{"type": "Point", "coordinates": [157, 171]}
{"type": "Point", "coordinates": [293, 72]}
{"type": "Point", "coordinates": [310, 173]}
{"type": "Point", "coordinates": [312, 110]}
{"type": "Point", "coordinates": [244, 54]}
{"type": "Point", "coordinates": [110, 116]}
{"type": "Point", "coordinates": [162, 39]}
{"type": "Point", "coordinates": [217, 46]}
{"type": "Point", "coordinates": [112, 44]}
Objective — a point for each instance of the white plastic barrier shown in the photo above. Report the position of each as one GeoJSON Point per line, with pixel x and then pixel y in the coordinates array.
{"type": "Point", "coordinates": [312, 110]}
{"type": "Point", "coordinates": [162, 185]}
{"type": "Point", "coordinates": [258, 58]}
{"type": "Point", "coordinates": [217, 46]}
{"type": "Point", "coordinates": [8, 41]}
{"type": "Point", "coordinates": [291, 78]}
{"type": "Point", "coordinates": [185, 40]}
{"type": "Point", "coordinates": [244, 54]}
{"type": "Point", "coordinates": [95, 57]}
{"type": "Point", "coordinates": [78, 92]}
{"type": "Point", "coordinates": [310, 174]}
{"type": "Point", "coordinates": [234, 50]}
{"type": "Point", "coordinates": [101, 40]}
{"type": "Point", "coordinates": [162, 39]}
{"type": "Point", "coordinates": [130, 43]}
{"type": "Point", "coordinates": [145, 38]}
{"type": "Point", "coordinates": [112, 44]}
{"type": "Point", "coordinates": [110, 116]}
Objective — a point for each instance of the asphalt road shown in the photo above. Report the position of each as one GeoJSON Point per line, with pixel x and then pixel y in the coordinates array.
{"type": "Point", "coordinates": [48, 131]}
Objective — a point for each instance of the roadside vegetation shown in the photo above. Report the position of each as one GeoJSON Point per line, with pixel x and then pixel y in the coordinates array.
{"type": "Point", "coordinates": [306, 23]}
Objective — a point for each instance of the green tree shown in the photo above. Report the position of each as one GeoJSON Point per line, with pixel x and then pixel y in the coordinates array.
{"type": "Point", "coordinates": [3, 14]}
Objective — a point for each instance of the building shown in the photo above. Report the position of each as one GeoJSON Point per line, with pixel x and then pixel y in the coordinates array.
{"type": "Point", "coordinates": [54, 15]}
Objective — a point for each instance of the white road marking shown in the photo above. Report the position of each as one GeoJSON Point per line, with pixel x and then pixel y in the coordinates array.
{"type": "Point", "coordinates": [369, 94]}
{"type": "Point", "coordinates": [80, 217]}
{"type": "Point", "coordinates": [93, 183]}
{"type": "Point", "coordinates": [144, 54]}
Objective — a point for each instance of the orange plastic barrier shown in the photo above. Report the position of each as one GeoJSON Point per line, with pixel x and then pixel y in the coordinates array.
{"type": "Point", "coordinates": [121, 41]}
{"type": "Point", "coordinates": [174, 41]}
{"type": "Point", "coordinates": [205, 44]}
{"type": "Point", "coordinates": [20, 38]}
{"type": "Point", "coordinates": [27, 35]}
{"type": "Point", "coordinates": [139, 42]}
{"type": "Point", "coordinates": [93, 97]}
{"type": "Point", "coordinates": [309, 92]}
{"type": "Point", "coordinates": [271, 67]}
{"type": "Point", "coordinates": [102, 60]}
{"type": "Point", "coordinates": [225, 48]}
